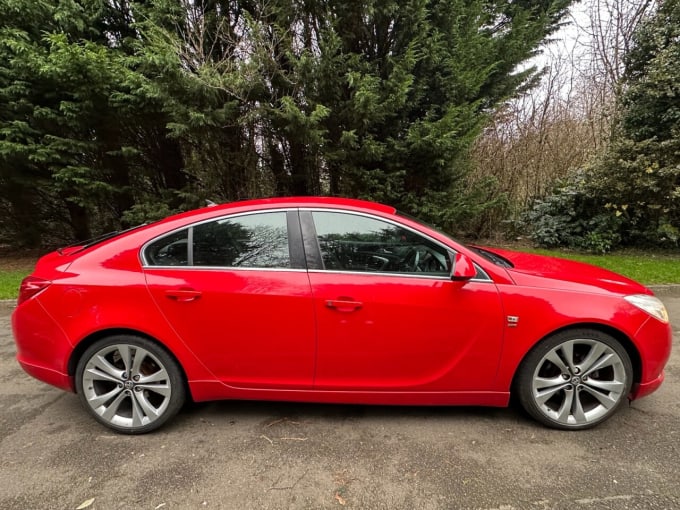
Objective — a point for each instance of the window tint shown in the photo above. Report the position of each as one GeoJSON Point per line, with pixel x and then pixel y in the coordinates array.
{"type": "Point", "coordinates": [169, 250]}
{"type": "Point", "coordinates": [351, 242]}
{"type": "Point", "coordinates": [256, 240]}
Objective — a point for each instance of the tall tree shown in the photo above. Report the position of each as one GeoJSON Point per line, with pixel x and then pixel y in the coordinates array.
{"type": "Point", "coordinates": [123, 110]}
{"type": "Point", "coordinates": [80, 140]}
{"type": "Point", "coordinates": [379, 99]}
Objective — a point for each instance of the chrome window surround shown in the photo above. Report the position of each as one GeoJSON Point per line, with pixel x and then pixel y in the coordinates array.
{"type": "Point", "coordinates": [146, 265]}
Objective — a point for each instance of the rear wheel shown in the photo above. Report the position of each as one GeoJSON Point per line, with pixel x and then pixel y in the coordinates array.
{"type": "Point", "coordinates": [129, 384]}
{"type": "Point", "coordinates": [575, 379]}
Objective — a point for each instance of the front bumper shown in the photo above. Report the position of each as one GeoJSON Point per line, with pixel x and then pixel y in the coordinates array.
{"type": "Point", "coordinates": [653, 340]}
{"type": "Point", "coordinates": [643, 389]}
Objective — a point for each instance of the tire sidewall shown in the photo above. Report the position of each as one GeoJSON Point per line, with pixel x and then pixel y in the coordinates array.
{"type": "Point", "coordinates": [530, 364]}
{"type": "Point", "coordinates": [178, 393]}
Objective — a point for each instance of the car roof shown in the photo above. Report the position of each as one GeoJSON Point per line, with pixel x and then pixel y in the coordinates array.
{"type": "Point", "coordinates": [269, 203]}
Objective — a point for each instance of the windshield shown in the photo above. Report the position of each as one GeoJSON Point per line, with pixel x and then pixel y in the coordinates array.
{"type": "Point", "coordinates": [492, 257]}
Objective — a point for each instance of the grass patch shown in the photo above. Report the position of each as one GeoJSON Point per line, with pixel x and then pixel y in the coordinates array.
{"type": "Point", "coordinates": [9, 283]}
{"type": "Point", "coordinates": [645, 267]}
{"type": "Point", "coordinates": [13, 269]}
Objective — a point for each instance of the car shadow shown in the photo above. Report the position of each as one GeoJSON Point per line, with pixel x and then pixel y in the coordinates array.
{"type": "Point", "coordinates": [225, 411]}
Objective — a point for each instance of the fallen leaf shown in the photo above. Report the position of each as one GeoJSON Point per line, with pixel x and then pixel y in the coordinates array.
{"type": "Point", "coordinates": [85, 504]}
{"type": "Point", "coordinates": [340, 499]}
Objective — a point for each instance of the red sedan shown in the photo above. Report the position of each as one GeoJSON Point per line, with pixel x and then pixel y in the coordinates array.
{"type": "Point", "coordinates": [331, 300]}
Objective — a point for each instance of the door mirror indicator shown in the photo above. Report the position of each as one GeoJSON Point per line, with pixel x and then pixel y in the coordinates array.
{"type": "Point", "coordinates": [463, 268]}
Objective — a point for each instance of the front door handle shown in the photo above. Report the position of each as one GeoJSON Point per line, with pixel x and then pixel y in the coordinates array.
{"type": "Point", "coordinates": [343, 305]}
{"type": "Point", "coordinates": [183, 295]}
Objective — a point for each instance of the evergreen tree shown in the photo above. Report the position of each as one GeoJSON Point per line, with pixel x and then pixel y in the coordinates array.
{"type": "Point", "coordinates": [124, 111]}
{"type": "Point", "coordinates": [380, 99]}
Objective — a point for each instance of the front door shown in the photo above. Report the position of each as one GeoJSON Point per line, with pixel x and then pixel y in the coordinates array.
{"type": "Point", "coordinates": [389, 316]}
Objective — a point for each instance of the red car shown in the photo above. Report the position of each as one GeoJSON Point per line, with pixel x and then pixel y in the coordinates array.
{"type": "Point", "coordinates": [331, 300]}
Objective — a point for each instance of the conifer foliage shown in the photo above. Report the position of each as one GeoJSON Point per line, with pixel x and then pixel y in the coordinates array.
{"type": "Point", "coordinates": [120, 111]}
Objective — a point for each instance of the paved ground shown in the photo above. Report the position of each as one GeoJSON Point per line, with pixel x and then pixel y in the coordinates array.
{"type": "Point", "coordinates": [262, 455]}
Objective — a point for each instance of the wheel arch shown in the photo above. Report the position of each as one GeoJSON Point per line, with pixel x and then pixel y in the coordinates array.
{"type": "Point", "coordinates": [618, 335]}
{"type": "Point", "coordinates": [91, 339]}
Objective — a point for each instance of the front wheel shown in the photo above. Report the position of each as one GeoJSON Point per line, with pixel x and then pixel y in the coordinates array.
{"type": "Point", "coordinates": [575, 379]}
{"type": "Point", "coordinates": [129, 384]}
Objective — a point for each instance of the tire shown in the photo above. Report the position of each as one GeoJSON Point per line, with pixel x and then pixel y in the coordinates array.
{"type": "Point", "coordinates": [129, 384]}
{"type": "Point", "coordinates": [575, 379]}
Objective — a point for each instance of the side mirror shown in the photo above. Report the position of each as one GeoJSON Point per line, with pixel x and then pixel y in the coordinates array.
{"type": "Point", "coordinates": [463, 268]}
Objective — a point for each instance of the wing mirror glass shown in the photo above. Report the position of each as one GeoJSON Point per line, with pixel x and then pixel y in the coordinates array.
{"type": "Point", "coordinates": [463, 268]}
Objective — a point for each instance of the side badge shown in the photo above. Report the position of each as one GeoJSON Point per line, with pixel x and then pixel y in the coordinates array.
{"type": "Point", "coordinates": [513, 320]}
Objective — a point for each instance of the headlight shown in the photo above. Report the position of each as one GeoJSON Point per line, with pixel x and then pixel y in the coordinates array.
{"type": "Point", "coordinates": [650, 304]}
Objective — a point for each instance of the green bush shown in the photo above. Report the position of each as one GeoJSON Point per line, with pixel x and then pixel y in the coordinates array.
{"type": "Point", "coordinates": [630, 194]}
{"type": "Point", "coordinates": [573, 217]}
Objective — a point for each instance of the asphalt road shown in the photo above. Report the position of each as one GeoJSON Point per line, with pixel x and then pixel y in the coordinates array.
{"type": "Point", "coordinates": [263, 455]}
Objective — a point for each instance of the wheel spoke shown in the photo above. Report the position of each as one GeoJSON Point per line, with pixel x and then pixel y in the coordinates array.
{"type": "Point", "coordinates": [125, 355]}
{"type": "Point", "coordinates": [544, 382]}
{"type": "Point", "coordinates": [613, 386]}
{"type": "Point", "coordinates": [554, 358]}
{"type": "Point", "coordinates": [104, 398]}
{"type": "Point", "coordinates": [105, 369]}
{"type": "Point", "coordinates": [565, 409]}
{"type": "Point", "coordinates": [607, 401]}
{"type": "Point", "coordinates": [158, 376]}
{"type": "Point", "coordinates": [98, 375]}
{"type": "Point", "coordinates": [543, 396]}
{"type": "Point", "coordinates": [603, 361]}
{"type": "Point", "coordinates": [138, 414]}
{"type": "Point", "coordinates": [140, 355]}
{"type": "Point", "coordinates": [596, 350]}
{"type": "Point", "coordinates": [161, 389]}
{"type": "Point", "coordinates": [149, 410]}
{"type": "Point", "coordinates": [567, 349]}
{"type": "Point", "coordinates": [110, 411]}
{"type": "Point", "coordinates": [577, 409]}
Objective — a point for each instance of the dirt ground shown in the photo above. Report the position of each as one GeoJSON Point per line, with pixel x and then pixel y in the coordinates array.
{"type": "Point", "coordinates": [245, 455]}
{"type": "Point", "coordinates": [18, 260]}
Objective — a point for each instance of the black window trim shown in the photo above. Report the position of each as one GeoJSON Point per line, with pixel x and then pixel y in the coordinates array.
{"type": "Point", "coordinates": [296, 249]}
{"type": "Point", "coordinates": [310, 241]}
{"type": "Point", "coordinates": [190, 235]}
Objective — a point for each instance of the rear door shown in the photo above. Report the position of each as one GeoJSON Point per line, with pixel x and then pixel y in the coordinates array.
{"type": "Point", "coordinates": [236, 291]}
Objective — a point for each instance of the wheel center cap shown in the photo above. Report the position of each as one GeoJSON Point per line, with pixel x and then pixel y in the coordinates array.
{"type": "Point", "coordinates": [575, 380]}
{"type": "Point", "coordinates": [128, 385]}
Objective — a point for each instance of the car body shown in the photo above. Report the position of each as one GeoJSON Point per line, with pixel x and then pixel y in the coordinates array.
{"type": "Point", "coordinates": [331, 300]}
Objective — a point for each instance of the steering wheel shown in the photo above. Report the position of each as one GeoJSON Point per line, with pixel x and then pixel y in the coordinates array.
{"type": "Point", "coordinates": [427, 261]}
{"type": "Point", "coordinates": [416, 260]}
{"type": "Point", "coordinates": [431, 263]}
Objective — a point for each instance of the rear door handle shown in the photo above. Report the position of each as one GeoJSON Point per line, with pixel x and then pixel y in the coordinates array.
{"type": "Point", "coordinates": [342, 305]}
{"type": "Point", "coordinates": [183, 295]}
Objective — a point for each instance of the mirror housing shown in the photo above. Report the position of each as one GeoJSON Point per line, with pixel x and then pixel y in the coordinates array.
{"type": "Point", "coordinates": [463, 268]}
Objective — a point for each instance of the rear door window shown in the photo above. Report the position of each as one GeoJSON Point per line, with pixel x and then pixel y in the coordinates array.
{"type": "Point", "coordinates": [255, 240]}
{"type": "Point", "coordinates": [249, 241]}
